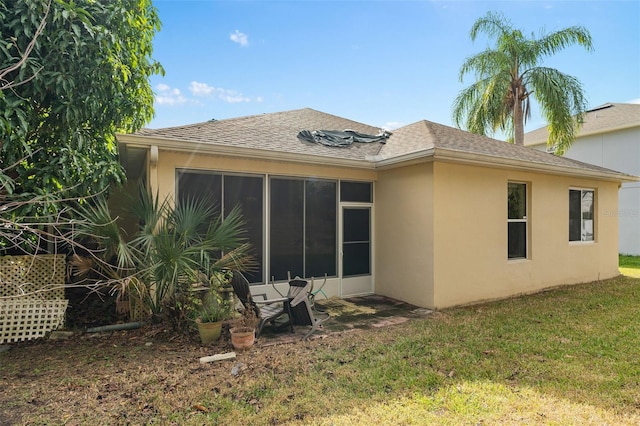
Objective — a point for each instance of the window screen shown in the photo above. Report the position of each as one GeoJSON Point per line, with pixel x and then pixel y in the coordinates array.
{"type": "Point", "coordinates": [287, 228]}
{"type": "Point", "coordinates": [361, 192]}
{"type": "Point", "coordinates": [227, 192]}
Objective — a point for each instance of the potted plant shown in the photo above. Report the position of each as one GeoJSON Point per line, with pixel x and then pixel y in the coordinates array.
{"type": "Point", "coordinates": [209, 322]}
{"type": "Point", "coordinates": [213, 308]}
{"type": "Point", "coordinates": [243, 332]}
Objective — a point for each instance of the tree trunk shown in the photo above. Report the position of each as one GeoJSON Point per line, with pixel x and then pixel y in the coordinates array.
{"type": "Point", "coordinates": [518, 119]}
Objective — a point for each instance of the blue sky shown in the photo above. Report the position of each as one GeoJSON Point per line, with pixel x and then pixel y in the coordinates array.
{"type": "Point", "coordinates": [384, 63]}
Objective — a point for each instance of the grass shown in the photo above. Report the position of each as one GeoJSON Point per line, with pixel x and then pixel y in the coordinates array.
{"type": "Point", "coordinates": [566, 356]}
{"type": "Point", "coordinates": [630, 265]}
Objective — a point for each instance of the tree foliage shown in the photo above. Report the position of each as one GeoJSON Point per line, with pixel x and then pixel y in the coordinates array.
{"type": "Point", "coordinates": [85, 78]}
{"type": "Point", "coordinates": [509, 74]}
{"type": "Point", "coordinates": [173, 247]}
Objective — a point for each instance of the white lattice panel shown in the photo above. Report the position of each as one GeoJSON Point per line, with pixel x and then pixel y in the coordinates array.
{"type": "Point", "coordinates": [23, 318]}
{"type": "Point", "coordinates": [40, 276]}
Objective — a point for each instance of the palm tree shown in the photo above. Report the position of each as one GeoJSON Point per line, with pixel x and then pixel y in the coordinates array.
{"type": "Point", "coordinates": [173, 247]}
{"type": "Point", "coordinates": [510, 73]}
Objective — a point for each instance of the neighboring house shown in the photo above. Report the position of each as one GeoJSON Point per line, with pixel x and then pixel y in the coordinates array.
{"type": "Point", "coordinates": [433, 216]}
{"type": "Point", "coordinates": [610, 137]}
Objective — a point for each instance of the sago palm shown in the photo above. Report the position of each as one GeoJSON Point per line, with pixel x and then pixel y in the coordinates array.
{"type": "Point", "coordinates": [509, 74]}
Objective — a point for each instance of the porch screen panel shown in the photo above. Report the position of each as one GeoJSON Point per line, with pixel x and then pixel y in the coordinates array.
{"type": "Point", "coordinates": [190, 185]}
{"type": "Point", "coordinates": [356, 244]}
{"type": "Point", "coordinates": [359, 192]}
{"type": "Point", "coordinates": [320, 228]}
{"type": "Point", "coordinates": [246, 192]}
{"type": "Point", "coordinates": [286, 208]}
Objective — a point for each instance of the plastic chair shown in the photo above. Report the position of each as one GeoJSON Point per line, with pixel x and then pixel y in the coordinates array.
{"type": "Point", "coordinates": [267, 310]}
{"type": "Point", "coordinates": [301, 311]}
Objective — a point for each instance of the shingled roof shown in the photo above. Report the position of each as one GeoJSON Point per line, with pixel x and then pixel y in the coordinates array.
{"type": "Point", "coordinates": [276, 132]}
{"type": "Point", "coordinates": [274, 136]}
{"type": "Point", "coordinates": [605, 118]}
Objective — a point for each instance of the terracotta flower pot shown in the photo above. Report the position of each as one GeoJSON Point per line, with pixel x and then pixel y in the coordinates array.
{"type": "Point", "coordinates": [209, 331]}
{"type": "Point", "coordinates": [242, 337]}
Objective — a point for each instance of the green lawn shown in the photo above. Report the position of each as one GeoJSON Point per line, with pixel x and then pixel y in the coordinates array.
{"type": "Point", "coordinates": [567, 356]}
{"type": "Point", "coordinates": [630, 265]}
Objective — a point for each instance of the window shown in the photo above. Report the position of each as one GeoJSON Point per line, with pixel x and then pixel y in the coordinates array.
{"type": "Point", "coordinates": [303, 223]}
{"type": "Point", "coordinates": [517, 220]}
{"type": "Point", "coordinates": [581, 214]}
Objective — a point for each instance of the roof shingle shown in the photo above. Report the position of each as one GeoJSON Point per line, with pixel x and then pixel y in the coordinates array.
{"type": "Point", "coordinates": [277, 133]}
{"type": "Point", "coordinates": [274, 132]}
{"type": "Point", "coordinates": [605, 118]}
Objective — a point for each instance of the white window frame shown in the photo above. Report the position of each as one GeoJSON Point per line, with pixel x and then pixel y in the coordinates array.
{"type": "Point", "coordinates": [525, 220]}
{"type": "Point", "coordinates": [593, 220]}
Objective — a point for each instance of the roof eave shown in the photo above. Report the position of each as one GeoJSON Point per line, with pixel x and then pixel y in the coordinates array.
{"type": "Point", "coordinates": [190, 146]}
{"type": "Point", "coordinates": [442, 154]}
{"type": "Point", "coordinates": [416, 157]}
{"type": "Point", "coordinates": [591, 133]}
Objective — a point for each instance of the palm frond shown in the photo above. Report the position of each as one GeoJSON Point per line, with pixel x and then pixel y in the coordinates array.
{"type": "Point", "coordinates": [492, 24]}
{"type": "Point", "coordinates": [552, 43]}
{"type": "Point", "coordinates": [562, 101]}
{"type": "Point", "coordinates": [191, 217]}
{"type": "Point", "coordinates": [484, 64]}
{"type": "Point", "coordinates": [508, 73]}
{"type": "Point", "coordinates": [480, 108]}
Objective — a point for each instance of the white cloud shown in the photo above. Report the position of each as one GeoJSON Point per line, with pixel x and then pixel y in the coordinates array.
{"type": "Point", "coordinates": [634, 101]}
{"type": "Point", "coordinates": [392, 125]}
{"type": "Point", "coordinates": [226, 95]}
{"type": "Point", "coordinates": [240, 38]}
{"type": "Point", "coordinates": [232, 97]}
{"type": "Point", "coordinates": [201, 89]}
{"type": "Point", "coordinates": [165, 95]}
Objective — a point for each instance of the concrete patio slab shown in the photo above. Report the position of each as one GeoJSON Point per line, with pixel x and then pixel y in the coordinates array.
{"type": "Point", "coordinates": [347, 315]}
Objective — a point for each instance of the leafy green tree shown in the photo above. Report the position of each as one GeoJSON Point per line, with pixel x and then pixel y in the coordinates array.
{"type": "Point", "coordinates": [510, 73]}
{"type": "Point", "coordinates": [81, 78]}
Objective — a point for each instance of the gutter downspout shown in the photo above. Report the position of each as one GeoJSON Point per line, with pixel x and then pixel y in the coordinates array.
{"type": "Point", "coordinates": [152, 169]}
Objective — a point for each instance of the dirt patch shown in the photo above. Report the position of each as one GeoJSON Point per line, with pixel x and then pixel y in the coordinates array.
{"type": "Point", "coordinates": [137, 376]}
{"type": "Point", "coordinates": [119, 377]}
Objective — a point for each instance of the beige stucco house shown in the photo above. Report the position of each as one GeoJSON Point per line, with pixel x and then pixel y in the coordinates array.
{"type": "Point", "coordinates": [431, 215]}
{"type": "Point", "coordinates": [609, 137]}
